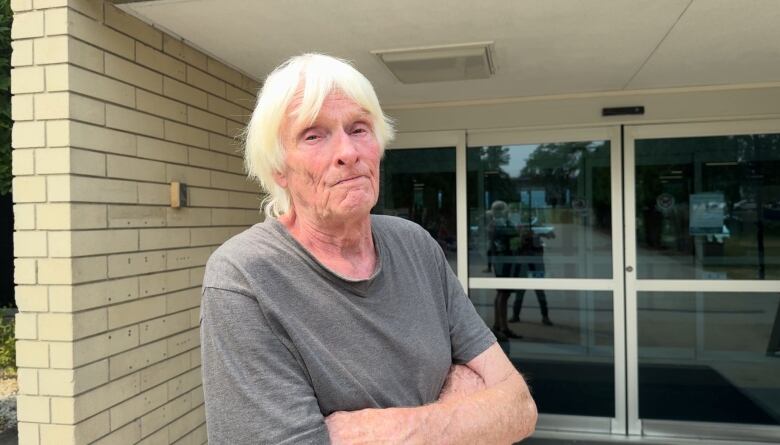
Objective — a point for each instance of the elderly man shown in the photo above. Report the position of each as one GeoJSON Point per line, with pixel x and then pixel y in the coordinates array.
{"type": "Point", "coordinates": [325, 324]}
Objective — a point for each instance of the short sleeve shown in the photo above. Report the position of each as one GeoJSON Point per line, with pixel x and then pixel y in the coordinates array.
{"type": "Point", "coordinates": [255, 390]}
{"type": "Point", "coordinates": [469, 335]}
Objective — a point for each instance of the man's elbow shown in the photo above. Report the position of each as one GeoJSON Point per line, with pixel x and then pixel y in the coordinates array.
{"type": "Point", "coordinates": [527, 415]}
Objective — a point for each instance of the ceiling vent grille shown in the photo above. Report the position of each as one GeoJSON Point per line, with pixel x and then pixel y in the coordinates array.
{"type": "Point", "coordinates": [440, 63]}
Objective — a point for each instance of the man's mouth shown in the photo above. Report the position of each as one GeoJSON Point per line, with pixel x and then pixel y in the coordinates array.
{"type": "Point", "coordinates": [349, 179]}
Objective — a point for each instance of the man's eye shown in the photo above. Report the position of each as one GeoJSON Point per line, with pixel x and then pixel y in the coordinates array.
{"type": "Point", "coordinates": [310, 137]}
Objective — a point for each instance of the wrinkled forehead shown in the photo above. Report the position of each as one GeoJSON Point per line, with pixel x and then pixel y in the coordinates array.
{"type": "Point", "coordinates": [304, 108]}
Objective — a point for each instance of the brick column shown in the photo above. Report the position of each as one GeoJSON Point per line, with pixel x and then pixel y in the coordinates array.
{"type": "Point", "coordinates": [108, 110]}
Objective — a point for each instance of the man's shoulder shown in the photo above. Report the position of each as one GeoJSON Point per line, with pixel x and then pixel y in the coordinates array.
{"type": "Point", "coordinates": [396, 226]}
{"type": "Point", "coordinates": [246, 251]}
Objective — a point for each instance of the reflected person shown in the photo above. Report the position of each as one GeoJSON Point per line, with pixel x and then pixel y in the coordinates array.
{"type": "Point", "coordinates": [531, 250]}
{"type": "Point", "coordinates": [503, 237]}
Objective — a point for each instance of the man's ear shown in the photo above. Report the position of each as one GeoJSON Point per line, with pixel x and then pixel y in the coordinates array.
{"type": "Point", "coordinates": [280, 179]}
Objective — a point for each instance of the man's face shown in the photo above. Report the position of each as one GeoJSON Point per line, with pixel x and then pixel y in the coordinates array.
{"type": "Point", "coordinates": [331, 166]}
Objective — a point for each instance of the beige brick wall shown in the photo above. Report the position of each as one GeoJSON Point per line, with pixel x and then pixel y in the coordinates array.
{"type": "Point", "coordinates": [108, 111]}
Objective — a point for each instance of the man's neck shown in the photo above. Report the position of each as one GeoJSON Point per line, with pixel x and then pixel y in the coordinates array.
{"type": "Point", "coordinates": [345, 247]}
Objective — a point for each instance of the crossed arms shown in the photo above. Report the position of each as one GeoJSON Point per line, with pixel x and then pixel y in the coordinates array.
{"type": "Point", "coordinates": [485, 401]}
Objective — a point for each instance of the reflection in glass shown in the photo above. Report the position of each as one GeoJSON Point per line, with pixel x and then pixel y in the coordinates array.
{"type": "Point", "coordinates": [540, 211]}
{"type": "Point", "coordinates": [711, 357]}
{"type": "Point", "coordinates": [708, 207]}
{"type": "Point", "coordinates": [569, 365]}
{"type": "Point", "coordinates": [419, 185]}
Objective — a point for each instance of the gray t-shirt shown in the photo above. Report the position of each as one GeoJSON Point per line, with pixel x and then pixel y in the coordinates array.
{"type": "Point", "coordinates": [286, 341]}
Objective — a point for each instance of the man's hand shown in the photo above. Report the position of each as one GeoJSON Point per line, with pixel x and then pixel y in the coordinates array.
{"type": "Point", "coordinates": [502, 412]}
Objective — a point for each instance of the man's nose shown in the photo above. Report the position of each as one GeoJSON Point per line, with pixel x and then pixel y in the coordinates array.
{"type": "Point", "coordinates": [346, 151]}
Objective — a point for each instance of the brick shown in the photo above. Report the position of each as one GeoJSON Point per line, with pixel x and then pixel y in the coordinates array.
{"type": "Point", "coordinates": [21, 5]}
{"type": "Point", "coordinates": [87, 110]}
{"type": "Point", "coordinates": [134, 168]}
{"type": "Point", "coordinates": [244, 200]}
{"type": "Point", "coordinates": [129, 313]}
{"type": "Point", "coordinates": [163, 282]}
{"type": "Point", "coordinates": [27, 379]}
{"type": "Point", "coordinates": [188, 175]}
{"type": "Point", "coordinates": [28, 79]}
{"type": "Point", "coordinates": [184, 383]}
{"type": "Point", "coordinates": [101, 87]}
{"type": "Point", "coordinates": [101, 139]}
{"type": "Point", "coordinates": [240, 97]}
{"type": "Point", "coordinates": [70, 160]}
{"type": "Point", "coordinates": [27, 24]}
{"type": "Point", "coordinates": [235, 130]}
{"type": "Point", "coordinates": [32, 354]}
{"type": "Point", "coordinates": [67, 216]}
{"type": "Point", "coordinates": [224, 72]}
{"type": "Point", "coordinates": [228, 110]}
{"type": "Point", "coordinates": [160, 106]}
{"type": "Point", "coordinates": [22, 162]}
{"type": "Point", "coordinates": [159, 194]}
{"type": "Point", "coordinates": [232, 182]}
{"type": "Point", "coordinates": [56, 21]}
{"type": "Point", "coordinates": [24, 216]}
{"type": "Point", "coordinates": [196, 276]}
{"type": "Point", "coordinates": [236, 165]}
{"type": "Point", "coordinates": [250, 85]}
{"type": "Point", "coordinates": [185, 134]}
{"type": "Point", "coordinates": [224, 144]}
{"type": "Point", "coordinates": [138, 358]}
{"type": "Point", "coordinates": [136, 263]}
{"type": "Point", "coordinates": [84, 55]}
{"type": "Point", "coordinates": [22, 107]}
{"type": "Point", "coordinates": [92, 295]}
{"type": "Point", "coordinates": [130, 25]}
{"type": "Point", "coordinates": [51, 50]}
{"type": "Point", "coordinates": [29, 434]}
{"type": "Point", "coordinates": [26, 326]}
{"type": "Point", "coordinates": [208, 159]}
{"type": "Point", "coordinates": [135, 407]}
{"type": "Point", "coordinates": [210, 236]}
{"type": "Point", "coordinates": [163, 327]}
{"type": "Point", "coordinates": [70, 382]}
{"type": "Point", "coordinates": [155, 239]}
{"type": "Point", "coordinates": [84, 189]}
{"type": "Point", "coordinates": [184, 93]}
{"type": "Point", "coordinates": [72, 410]}
{"type": "Point", "coordinates": [57, 78]}
{"type": "Point", "coordinates": [164, 371]}
{"type": "Point", "coordinates": [189, 429]}
{"type": "Point", "coordinates": [72, 355]}
{"type": "Point", "coordinates": [92, 242]}
{"type": "Point", "coordinates": [181, 51]}
{"type": "Point", "coordinates": [133, 121]}
{"type": "Point", "coordinates": [33, 244]}
{"type": "Point", "coordinates": [52, 160]}
{"type": "Point", "coordinates": [159, 61]}
{"type": "Point", "coordinates": [29, 189]}
{"type": "Point", "coordinates": [183, 342]}
{"type": "Point", "coordinates": [95, 33]}
{"type": "Point", "coordinates": [25, 271]}
{"type": "Point", "coordinates": [135, 216]}
{"type": "Point", "coordinates": [196, 395]}
{"type": "Point", "coordinates": [181, 300]}
{"type": "Point", "coordinates": [130, 433]}
{"type": "Point", "coordinates": [201, 197]}
{"type": "Point", "coordinates": [32, 298]}
{"type": "Point", "coordinates": [165, 414]}
{"type": "Point", "coordinates": [91, 8]}
{"type": "Point", "coordinates": [186, 216]}
{"type": "Point", "coordinates": [83, 432]}
{"type": "Point", "coordinates": [132, 73]}
{"type": "Point", "coordinates": [52, 106]}
{"type": "Point", "coordinates": [32, 408]}
{"type": "Point", "coordinates": [21, 52]}
{"type": "Point", "coordinates": [161, 150]}
{"type": "Point", "coordinates": [205, 81]}
{"type": "Point", "coordinates": [71, 270]}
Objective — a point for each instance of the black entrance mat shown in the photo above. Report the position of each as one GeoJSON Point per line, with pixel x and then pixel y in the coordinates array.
{"type": "Point", "coordinates": [688, 393]}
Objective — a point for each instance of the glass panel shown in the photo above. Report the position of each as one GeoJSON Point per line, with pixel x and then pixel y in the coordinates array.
{"type": "Point", "coordinates": [568, 361]}
{"type": "Point", "coordinates": [419, 185]}
{"type": "Point", "coordinates": [708, 207]}
{"type": "Point", "coordinates": [711, 357]}
{"type": "Point", "coordinates": [540, 210]}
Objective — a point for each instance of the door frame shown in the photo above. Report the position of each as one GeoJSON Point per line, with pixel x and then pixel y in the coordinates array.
{"type": "Point", "coordinates": [633, 285]}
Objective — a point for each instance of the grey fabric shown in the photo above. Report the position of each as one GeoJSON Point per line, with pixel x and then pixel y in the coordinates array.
{"type": "Point", "coordinates": [286, 342]}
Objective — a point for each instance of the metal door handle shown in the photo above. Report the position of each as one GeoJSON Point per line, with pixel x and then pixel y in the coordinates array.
{"type": "Point", "coordinates": [629, 269]}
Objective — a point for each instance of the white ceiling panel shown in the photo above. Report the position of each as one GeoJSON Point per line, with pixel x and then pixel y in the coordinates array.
{"type": "Point", "coordinates": [542, 47]}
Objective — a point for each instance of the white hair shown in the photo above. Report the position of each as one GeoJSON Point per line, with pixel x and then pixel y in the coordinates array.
{"type": "Point", "coordinates": [312, 77]}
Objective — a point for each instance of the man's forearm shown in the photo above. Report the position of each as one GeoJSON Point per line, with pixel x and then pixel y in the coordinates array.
{"type": "Point", "coordinates": [503, 413]}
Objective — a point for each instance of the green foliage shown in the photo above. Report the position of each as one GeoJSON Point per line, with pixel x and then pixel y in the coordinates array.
{"type": "Point", "coordinates": [7, 347]}
{"type": "Point", "coordinates": [6, 17]}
